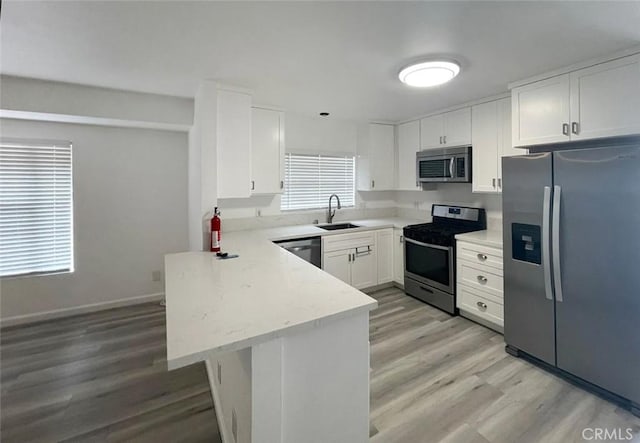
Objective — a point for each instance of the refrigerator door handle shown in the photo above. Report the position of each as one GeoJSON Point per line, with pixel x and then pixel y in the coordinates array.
{"type": "Point", "coordinates": [555, 235]}
{"type": "Point", "coordinates": [546, 242]}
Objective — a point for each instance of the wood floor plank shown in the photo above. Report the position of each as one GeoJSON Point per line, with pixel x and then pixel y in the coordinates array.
{"type": "Point", "coordinates": [442, 379]}
{"type": "Point", "coordinates": [102, 377]}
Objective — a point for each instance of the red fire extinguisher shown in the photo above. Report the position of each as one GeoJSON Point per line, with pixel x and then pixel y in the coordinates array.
{"type": "Point", "coordinates": [215, 231]}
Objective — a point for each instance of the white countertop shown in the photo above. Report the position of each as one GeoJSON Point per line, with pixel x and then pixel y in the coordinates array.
{"type": "Point", "coordinates": [222, 305]}
{"type": "Point", "coordinates": [491, 238]}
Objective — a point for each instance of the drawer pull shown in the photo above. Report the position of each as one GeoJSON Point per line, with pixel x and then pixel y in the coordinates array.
{"type": "Point", "coordinates": [481, 305]}
{"type": "Point", "coordinates": [482, 257]}
{"type": "Point", "coordinates": [482, 279]}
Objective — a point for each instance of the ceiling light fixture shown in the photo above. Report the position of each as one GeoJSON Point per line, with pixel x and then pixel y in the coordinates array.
{"type": "Point", "coordinates": [427, 74]}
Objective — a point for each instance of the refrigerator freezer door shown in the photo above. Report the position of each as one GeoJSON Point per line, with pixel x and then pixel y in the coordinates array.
{"type": "Point", "coordinates": [598, 320]}
{"type": "Point", "coordinates": [528, 304]}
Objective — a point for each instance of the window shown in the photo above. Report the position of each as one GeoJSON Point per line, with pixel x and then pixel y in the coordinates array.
{"type": "Point", "coordinates": [310, 180]}
{"type": "Point", "coordinates": [36, 208]}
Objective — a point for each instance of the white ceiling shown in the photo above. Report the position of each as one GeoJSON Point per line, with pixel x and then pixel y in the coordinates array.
{"type": "Point", "coordinates": [341, 57]}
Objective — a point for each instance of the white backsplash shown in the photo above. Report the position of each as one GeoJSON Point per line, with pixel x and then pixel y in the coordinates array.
{"type": "Point", "coordinates": [304, 218]}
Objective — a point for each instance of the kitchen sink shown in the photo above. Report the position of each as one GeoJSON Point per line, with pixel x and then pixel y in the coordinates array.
{"type": "Point", "coordinates": [338, 226]}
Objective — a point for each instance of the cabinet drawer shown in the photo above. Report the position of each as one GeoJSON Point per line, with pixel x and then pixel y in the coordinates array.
{"type": "Point", "coordinates": [480, 306]}
{"type": "Point", "coordinates": [478, 278]}
{"type": "Point", "coordinates": [348, 241]}
{"type": "Point", "coordinates": [484, 255]}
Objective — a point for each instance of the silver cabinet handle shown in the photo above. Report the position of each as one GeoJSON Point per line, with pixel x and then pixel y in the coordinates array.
{"type": "Point", "coordinates": [373, 184]}
{"type": "Point", "coordinates": [349, 257]}
{"type": "Point", "coordinates": [546, 243]}
{"type": "Point", "coordinates": [440, 139]}
{"type": "Point", "coordinates": [565, 128]}
{"type": "Point", "coordinates": [481, 305]}
{"type": "Point", "coordinates": [402, 239]}
{"type": "Point", "coordinates": [482, 257]}
{"type": "Point", "coordinates": [453, 159]}
{"type": "Point", "coordinates": [281, 184]}
{"type": "Point", "coordinates": [253, 185]}
{"type": "Point", "coordinates": [575, 128]}
{"type": "Point", "coordinates": [482, 279]}
{"type": "Point", "coordinates": [499, 183]}
{"type": "Point", "coordinates": [555, 236]}
{"type": "Point", "coordinates": [444, 140]}
{"type": "Point", "coordinates": [493, 182]}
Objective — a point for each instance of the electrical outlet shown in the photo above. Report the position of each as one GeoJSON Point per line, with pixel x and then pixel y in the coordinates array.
{"type": "Point", "coordinates": [156, 275]}
{"type": "Point", "coordinates": [219, 373]}
{"type": "Point", "coordinates": [234, 425]}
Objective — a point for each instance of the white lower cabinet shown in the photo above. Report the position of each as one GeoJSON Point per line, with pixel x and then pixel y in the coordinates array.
{"type": "Point", "coordinates": [384, 252]}
{"type": "Point", "coordinates": [338, 264]}
{"type": "Point", "coordinates": [398, 256]}
{"type": "Point", "coordinates": [480, 293]}
{"type": "Point", "coordinates": [352, 258]}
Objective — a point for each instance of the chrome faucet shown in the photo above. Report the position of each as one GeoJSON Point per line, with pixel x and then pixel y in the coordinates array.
{"type": "Point", "coordinates": [331, 214]}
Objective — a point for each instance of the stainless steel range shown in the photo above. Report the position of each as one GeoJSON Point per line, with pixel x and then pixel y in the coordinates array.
{"type": "Point", "coordinates": [429, 254]}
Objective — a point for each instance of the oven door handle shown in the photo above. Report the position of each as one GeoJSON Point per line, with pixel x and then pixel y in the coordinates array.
{"type": "Point", "coordinates": [451, 162]}
{"type": "Point", "coordinates": [428, 245]}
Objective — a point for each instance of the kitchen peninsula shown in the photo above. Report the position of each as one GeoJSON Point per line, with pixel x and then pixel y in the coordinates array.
{"type": "Point", "coordinates": [286, 345]}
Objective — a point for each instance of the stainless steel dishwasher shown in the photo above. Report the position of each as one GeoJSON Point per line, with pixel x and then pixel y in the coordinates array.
{"type": "Point", "coordinates": [308, 248]}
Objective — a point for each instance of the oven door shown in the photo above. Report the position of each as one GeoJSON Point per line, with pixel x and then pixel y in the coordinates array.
{"type": "Point", "coordinates": [429, 264]}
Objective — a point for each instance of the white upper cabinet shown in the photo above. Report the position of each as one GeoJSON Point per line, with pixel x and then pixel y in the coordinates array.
{"type": "Point", "coordinates": [541, 112]}
{"type": "Point", "coordinates": [598, 101]}
{"type": "Point", "coordinates": [234, 144]}
{"type": "Point", "coordinates": [457, 128]}
{"type": "Point", "coordinates": [376, 159]}
{"type": "Point", "coordinates": [267, 151]}
{"type": "Point", "coordinates": [491, 136]}
{"type": "Point", "coordinates": [485, 137]}
{"type": "Point", "coordinates": [605, 99]}
{"type": "Point", "coordinates": [431, 129]}
{"type": "Point", "coordinates": [446, 130]}
{"type": "Point", "coordinates": [408, 145]}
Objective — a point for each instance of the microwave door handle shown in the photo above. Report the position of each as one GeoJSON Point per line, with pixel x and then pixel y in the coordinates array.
{"type": "Point", "coordinates": [451, 162]}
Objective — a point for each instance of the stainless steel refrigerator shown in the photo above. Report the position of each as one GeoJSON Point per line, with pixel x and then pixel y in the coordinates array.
{"type": "Point", "coordinates": [571, 229]}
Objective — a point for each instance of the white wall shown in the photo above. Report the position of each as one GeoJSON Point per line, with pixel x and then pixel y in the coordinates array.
{"type": "Point", "coordinates": [130, 208]}
{"type": "Point", "coordinates": [418, 203]}
{"type": "Point", "coordinates": [89, 103]}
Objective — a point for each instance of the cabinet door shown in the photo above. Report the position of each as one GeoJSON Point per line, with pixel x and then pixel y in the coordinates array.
{"type": "Point", "coordinates": [605, 99]}
{"type": "Point", "coordinates": [431, 132]}
{"type": "Point", "coordinates": [408, 145]}
{"type": "Point", "coordinates": [457, 128]}
{"type": "Point", "coordinates": [364, 267]}
{"type": "Point", "coordinates": [338, 264]}
{"type": "Point", "coordinates": [381, 156]}
{"type": "Point", "coordinates": [234, 144]}
{"type": "Point", "coordinates": [398, 256]}
{"type": "Point", "coordinates": [267, 151]}
{"type": "Point", "coordinates": [505, 147]}
{"type": "Point", "coordinates": [384, 253]}
{"type": "Point", "coordinates": [486, 139]}
{"type": "Point", "coordinates": [539, 112]}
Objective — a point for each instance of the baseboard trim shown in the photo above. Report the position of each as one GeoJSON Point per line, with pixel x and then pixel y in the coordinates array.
{"type": "Point", "coordinates": [216, 402]}
{"type": "Point", "coordinates": [76, 310]}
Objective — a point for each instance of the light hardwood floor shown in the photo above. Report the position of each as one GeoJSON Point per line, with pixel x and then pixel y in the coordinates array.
{"type": "Point", "coordinates": [435, 378]}
{"type": "Point", "coordinates": [99, 378]}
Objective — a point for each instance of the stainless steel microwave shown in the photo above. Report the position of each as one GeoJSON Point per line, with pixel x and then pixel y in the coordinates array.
{"type": "Point", "coordinates": [444, 165]}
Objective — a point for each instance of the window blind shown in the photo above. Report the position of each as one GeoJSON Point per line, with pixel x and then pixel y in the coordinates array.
{"type": "Point", "coordinates": [36, 208]}
{"type": "Point", "coordinates": [310, 180]}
